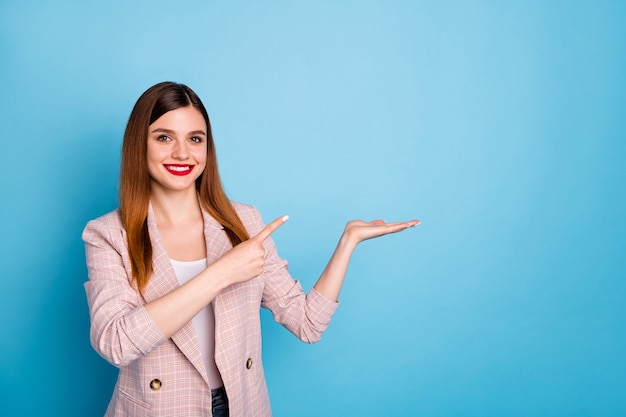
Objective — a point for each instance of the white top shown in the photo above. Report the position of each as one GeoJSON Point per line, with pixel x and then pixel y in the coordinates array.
{"type": "Point", "coordinates": [203, 322]}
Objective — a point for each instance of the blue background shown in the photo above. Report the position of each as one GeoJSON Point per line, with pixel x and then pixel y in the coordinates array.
{"type": "Point", "coordinates": [501, 125]}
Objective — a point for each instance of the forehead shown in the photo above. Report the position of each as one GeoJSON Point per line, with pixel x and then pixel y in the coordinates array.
{"type": "Point", "coordinates": [181, 119]}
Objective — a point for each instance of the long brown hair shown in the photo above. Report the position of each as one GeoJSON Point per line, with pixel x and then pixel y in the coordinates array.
{"type": "Point", "coordinates": [135, 180]}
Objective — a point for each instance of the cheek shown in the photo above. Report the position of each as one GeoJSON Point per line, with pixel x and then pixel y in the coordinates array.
{"type": "Point", "coordinates": [154, 162]}
{"type": "Point", "coordinates": [200, 157]}
{"type": "Point", "coordinates": [152, 169]}
{"type": "Point", "coordinates": [153, 155]}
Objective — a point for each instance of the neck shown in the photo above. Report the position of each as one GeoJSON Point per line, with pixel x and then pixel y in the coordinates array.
{"type": "Point", "coordinates": [173, 208]}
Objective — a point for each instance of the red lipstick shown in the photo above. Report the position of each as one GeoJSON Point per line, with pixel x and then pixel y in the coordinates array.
{"type": "Point", "coordinates": [179, 169]}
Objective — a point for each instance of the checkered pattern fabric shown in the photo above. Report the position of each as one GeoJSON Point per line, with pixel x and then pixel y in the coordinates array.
{"type": "Point", "coordinates": [125, 335]}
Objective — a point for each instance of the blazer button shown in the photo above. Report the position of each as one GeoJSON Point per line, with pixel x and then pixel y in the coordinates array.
{"type": "Point", "coordinates": [249, 363]}
{"type": "Point", "coordinates": [155, 384]}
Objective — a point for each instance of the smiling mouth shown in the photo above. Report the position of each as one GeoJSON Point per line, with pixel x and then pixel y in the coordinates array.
{"type": "Point", "coordinates": [178, 169]}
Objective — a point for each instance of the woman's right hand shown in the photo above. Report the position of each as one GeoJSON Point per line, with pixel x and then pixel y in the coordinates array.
{"type": "Point", "coordinates": [246, 260]}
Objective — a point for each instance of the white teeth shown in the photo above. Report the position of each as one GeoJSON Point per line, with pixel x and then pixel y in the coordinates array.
{"type": "Point", "coordinates": [179, 169]}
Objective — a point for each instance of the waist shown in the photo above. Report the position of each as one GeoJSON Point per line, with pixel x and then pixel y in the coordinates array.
{"type": "Point", "coordinates": [218, 396]}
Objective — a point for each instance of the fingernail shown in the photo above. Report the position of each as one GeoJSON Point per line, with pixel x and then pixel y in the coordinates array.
{"type": "Point", "coordinates": [285, 218]}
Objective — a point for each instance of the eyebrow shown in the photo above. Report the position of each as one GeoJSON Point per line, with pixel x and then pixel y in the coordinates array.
{"type": "Point", "coordinates": [169, 131]}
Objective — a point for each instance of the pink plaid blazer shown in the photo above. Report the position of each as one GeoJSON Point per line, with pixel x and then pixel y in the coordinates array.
{"type": "Point", "coordinates": [167, 377]}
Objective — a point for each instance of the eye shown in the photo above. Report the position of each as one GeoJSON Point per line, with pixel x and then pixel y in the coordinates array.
{"type": "Point", "coordinates": [163, 138]}
{"type": "Point", "coordinates": [196, 139]}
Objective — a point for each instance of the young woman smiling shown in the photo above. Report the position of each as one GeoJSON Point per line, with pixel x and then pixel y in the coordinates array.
{"type": "Point", "coordinates": [178, 273]}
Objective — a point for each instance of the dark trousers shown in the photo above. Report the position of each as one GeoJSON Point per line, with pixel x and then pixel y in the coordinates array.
{"type": "Point", "coordinates": [220, 402]}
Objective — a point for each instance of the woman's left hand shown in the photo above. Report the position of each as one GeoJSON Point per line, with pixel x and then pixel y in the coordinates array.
{"type": "Point", "coordinates": [358, 230]}
{"type": "Point", "coordinates": [330, 282]}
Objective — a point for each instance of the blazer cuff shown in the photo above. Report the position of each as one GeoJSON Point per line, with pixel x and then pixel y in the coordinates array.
{"type": "Point", "coordinates": [321, 307]}
{"type": "Point", "coordinates": [151, 336]}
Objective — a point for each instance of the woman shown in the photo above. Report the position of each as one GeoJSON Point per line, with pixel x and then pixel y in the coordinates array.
{"type": "Point", "coordinates": [177, 274]}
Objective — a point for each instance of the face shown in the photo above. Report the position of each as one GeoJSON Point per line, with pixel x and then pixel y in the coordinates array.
{"type": "Point", "coordinates": [177, 147]}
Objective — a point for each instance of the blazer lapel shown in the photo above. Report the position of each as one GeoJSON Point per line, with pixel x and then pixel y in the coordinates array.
{"type": "Point", "coordinates": [162, 282]}
{"type": "Point", "coordinates": [217, 243]}
{"type": "Point", "coordinates": [216, 240]}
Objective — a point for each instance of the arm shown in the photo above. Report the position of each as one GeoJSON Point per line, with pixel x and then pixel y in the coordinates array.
{"type": "Point", "coordinates": [330, 282]}
{"type": "Point", "coordinates": [122, 327]}
{"type": "Point", "coordinates": [308, 315]}
{"type": "Point", "coordinates": [242, 263]}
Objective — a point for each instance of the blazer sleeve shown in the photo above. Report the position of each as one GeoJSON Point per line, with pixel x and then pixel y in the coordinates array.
{"type": "Point", "coordinates": [121, 328]}
{"type": "Point", "coordinates": [305, 315]}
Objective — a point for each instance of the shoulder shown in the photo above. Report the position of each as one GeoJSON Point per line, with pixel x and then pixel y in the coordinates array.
{"type": "Point", "coordinates": [112, 219]}
{"type": "Point", "coordinates": [250, 216]}
{"type": "Point", "coordinates": [243, 209]}
{"type": "Point", "coordinates": [106, 225]}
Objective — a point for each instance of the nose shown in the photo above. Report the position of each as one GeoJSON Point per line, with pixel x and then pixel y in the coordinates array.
{"type": "Point", "coordinates": [181, 150]}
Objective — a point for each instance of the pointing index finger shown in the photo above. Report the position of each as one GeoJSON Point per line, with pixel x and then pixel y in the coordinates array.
{"type": "Point", "coordinates": [271, 228]}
